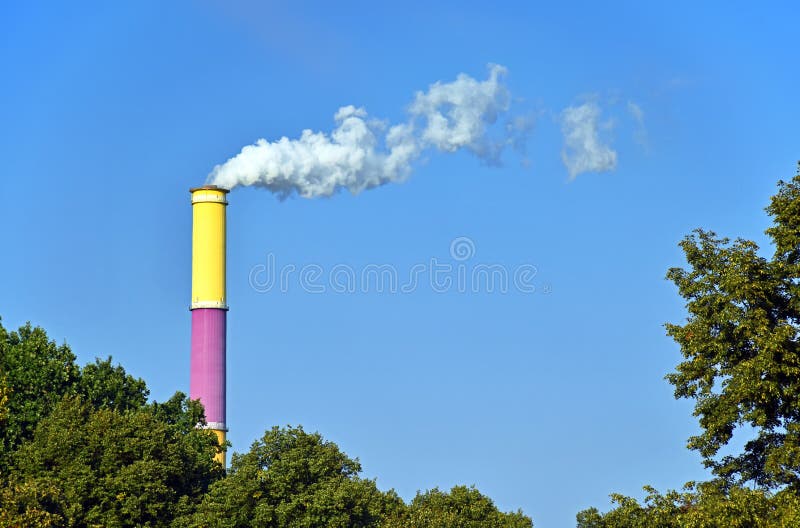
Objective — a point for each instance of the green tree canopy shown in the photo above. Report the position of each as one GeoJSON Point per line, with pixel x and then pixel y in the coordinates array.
{"type": "Point", "coordinates": [712, 504]}
{"type": "Point", "coordinates": [4, 392]}
{"type": "Point", "coordinates": [35, 373]}
{"type": "Point", "coordinates": [740, 346]}
{"type": "Point", "coordinates": [109, 468]}
{"type": "Point", "coordinates": [741, 366]}
{"type": "Point", "coordinates": [463, 507]}
{"type": "Point", "coordinates": [293, 479]}
{"type": "Point", "coordinates": [82, 447]}
{"type": "Point", "coordinates": [105, 386]}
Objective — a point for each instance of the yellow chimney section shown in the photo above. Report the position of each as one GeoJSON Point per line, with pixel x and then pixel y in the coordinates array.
{"type": "Point", "coordinates": [208, 247]}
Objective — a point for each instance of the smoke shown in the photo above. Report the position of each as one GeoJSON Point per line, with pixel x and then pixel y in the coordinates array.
{"type": "Point", "coordinates": [583, 150]}
{"type": "Point", "coordinates": [362, 153]}
{"type": "Point", "coordinates": [456, 113]}
{"type": "Point", "coordinates": [640, 133]}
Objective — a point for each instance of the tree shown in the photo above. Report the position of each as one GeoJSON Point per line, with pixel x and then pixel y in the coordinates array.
{"type": "Point", "coordinates": [30, 504]}
{"type": "Point", "coordinates": [293, 479]}
{"type": "Point", "coordinates": [105, 467]}
{"type": "Point", "coordinates": [4, 392]}
{"type": "Point", "coordinates": [741, 365]}
{"type": "Point", "coordinates": [740, 346]}
{"type": "Point", "coordinates": [35, 373]}
{"type": "Point", "coordinates": [84, 448]}
{"type": "Point", "coordinates": [712, 504]}
{"type": "Point", "coordinates": [105, 386]}
{"type": "Point", "coordinates": [463, 507]}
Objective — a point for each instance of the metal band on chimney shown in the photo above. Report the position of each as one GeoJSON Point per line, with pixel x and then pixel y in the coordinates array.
{"type": "Point", "coordinates": [209, 194]}
{"type": "Point", "coordinates": [217, 426]}
{"type": "Point", "coordinates": [208, 304]}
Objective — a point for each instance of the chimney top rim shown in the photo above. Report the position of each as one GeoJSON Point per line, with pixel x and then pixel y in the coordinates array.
{"type": "Point", "coordinates": [209, 188]}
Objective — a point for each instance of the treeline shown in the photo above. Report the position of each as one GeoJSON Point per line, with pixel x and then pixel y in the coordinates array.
{"type": "Point", "coordinates": [82, 447]}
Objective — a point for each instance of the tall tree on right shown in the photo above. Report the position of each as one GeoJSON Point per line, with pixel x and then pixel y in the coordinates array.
{"type": "Point", "coordinates": [741, 347]}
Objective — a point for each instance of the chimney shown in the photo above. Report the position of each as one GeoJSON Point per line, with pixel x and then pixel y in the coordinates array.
{"type": "Point", "coordinates": [209, 306]}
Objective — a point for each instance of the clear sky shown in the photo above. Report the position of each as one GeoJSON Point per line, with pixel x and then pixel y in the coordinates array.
{"type": "Point", "coordinates": [546, 400]}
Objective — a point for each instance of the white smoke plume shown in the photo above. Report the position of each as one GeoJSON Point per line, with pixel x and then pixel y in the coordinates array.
{"type": "Point", "coordinates": [362, 153]}
{"type": "Point", "coordinates": [583, 150]}
{"type": "Point", "coordinates": [640, 133]}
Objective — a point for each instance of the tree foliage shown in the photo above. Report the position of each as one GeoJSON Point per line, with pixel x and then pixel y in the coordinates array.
{"type": "Point", "coordinates": [293, 479]}
{"type": "Point", "coordinates": [106, 386]}
{"type": "Point", "coordinates": [707, 505]}
{"type": "Point", "coordinates": [740, 346]}
{"type": "Point", "coordinates": [4, 392]}
{"type": "Point", "coordinates": [103, 467]}
{"type": "Point", "coordinates": [741, 365]}
{"type": "Point", "coordinates": [82, 447]}
{"type": "Point", "coordinates": [462, 507]}
{"type": "Point", "coordinates": [35, 373]}
{"type": "Point", "coordinates": [30, 503]}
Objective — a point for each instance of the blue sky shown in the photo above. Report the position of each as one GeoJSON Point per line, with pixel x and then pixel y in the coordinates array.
{"type": "Point", "coordinates": [547, 401]}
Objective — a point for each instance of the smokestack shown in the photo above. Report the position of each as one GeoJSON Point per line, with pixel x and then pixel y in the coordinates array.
{"type": "Point", "coordinates": [209, 306]}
